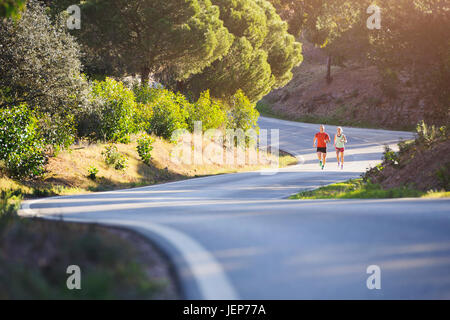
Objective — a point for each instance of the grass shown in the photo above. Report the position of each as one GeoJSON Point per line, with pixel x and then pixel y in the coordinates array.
{"type": "Point", "coordinates": [358, 189]}
{"type": "Point", "coordinates": [114, 264]}
{"type": "Point", "coordinates": [70, 171]}
{"type": "Point", "coordinates": [35, 254]}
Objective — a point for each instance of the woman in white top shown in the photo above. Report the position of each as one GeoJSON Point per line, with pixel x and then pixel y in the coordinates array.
{"type": "Point", "coordinates": [339, 143]}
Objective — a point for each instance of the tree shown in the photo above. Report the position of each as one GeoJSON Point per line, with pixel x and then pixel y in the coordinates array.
{"type": "Point", "coordinates": [414, 39]}
{"type": "Point", "coordinates": [40, 66]}
{"type": "Point", "coordinates": [148, 36]}
{"type": "Point", "coordinates": [11, 8]}
{"type": "Point", "coordinates": [261, 57]}
{"type": "Point", "coordinates": [320, 21]}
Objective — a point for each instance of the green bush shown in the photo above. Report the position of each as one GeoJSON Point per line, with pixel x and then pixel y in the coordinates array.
{"type": "Point", "coordinates": [390, 157]}
{"type": "Point", "coordinates": [9, 204]}
{"type": "Point", "coordinates": [212, 113]}
{"type": "Point", "coordinates": [242, 113]}
{"type": "Point", "coordinates": [121, 163]}
{"type": "Point", "coordinates": [114, 158]}
{"type": "Point", "coordinates": [169, 112]}
{"type": "Point", "coordinates": [145, 94]}
{"type": "Point", "coordinates": [58, 130]}
{"type": "Point", "coordinates": [145, 147]}
{"type": "Point", "coordinates": [21, 145]}
{"type": "Point", "coordinates": [92, 173]}
{"type": "Point", "coordinates": [427, 135]}
{"type": "Point", "coordinates": [113, 109]}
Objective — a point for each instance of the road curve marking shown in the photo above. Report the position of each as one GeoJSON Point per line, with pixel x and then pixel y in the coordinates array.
{"type": "Point", "coordinates": [211, 280]}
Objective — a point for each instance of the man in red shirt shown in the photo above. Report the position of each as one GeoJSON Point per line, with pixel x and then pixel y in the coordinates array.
{"type": "Point", "coordinates": [320, 140]}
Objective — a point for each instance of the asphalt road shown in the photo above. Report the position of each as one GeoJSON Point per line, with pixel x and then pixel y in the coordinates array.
{"type": "Point", "coordinates": [238, 237]}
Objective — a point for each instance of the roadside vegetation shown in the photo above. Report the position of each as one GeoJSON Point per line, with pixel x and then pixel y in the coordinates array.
{"type": "Point", "coordinates": [352, 75]}
{"type": "Point", "coordinates": [145, 160]}
{"type": "Point", "coordinates": [35, 254]}
{"type": "Point", "coordinates": [359, 189]}
{"type": "Point", "coordinates": [421, 168]}
{"type": "Point", "coordinates": [77, 132]}
{"type": "Point", "coordinates": [74, 118]}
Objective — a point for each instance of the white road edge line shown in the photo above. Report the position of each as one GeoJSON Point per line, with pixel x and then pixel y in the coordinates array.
{"type": "Point", "coordinates": [209, 275]}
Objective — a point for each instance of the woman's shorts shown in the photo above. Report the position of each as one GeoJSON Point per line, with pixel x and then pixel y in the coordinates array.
{"type": "Point", "coordinates": [322, 150]}
{"type": "Point", "coordinates": [340, 149]}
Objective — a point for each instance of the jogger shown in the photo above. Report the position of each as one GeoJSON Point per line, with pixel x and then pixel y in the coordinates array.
{"type": "Point", "coordinates": [320, 140]}
{"type": "Point", "coordinates": [339, 143]}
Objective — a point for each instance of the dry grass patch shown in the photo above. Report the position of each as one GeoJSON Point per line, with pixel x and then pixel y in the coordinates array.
{"type": "Point", "coordinates": [67, 173]}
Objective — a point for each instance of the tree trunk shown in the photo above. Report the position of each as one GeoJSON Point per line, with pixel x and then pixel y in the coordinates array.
{"type": "Point", "coordinates": [329, 78]}
{"type": "Point", "coordinates": [181, 86]}
{"type": "Point", "coordinates": [145, 76]}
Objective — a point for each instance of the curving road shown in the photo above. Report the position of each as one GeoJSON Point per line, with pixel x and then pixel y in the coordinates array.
{"type": "Point", "coordinates": [237, 237]}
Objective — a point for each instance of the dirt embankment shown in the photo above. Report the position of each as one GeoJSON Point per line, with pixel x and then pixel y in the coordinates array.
{"type": "Point", "coordinates": [420, 167]}
{"type": "Point", "coordinates": [358, 95]}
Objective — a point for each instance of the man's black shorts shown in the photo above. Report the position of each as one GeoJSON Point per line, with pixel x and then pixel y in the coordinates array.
{"type": "Point", "coordinates": [322, 150]}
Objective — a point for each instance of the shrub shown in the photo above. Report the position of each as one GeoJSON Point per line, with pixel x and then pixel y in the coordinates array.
{"type": "Point", "coordinates": [390, 157]}
{"type": "Point", "coordinates": [114, 158]}
{"type": "Point", "coordinates": [21, 145]}
{"type": "Point", "coordinates": [121, 163]}
{"type": "Point", "coordinates": [39, 63]}
{"type": "Point", "coordinates": [242, 113]}
{"type": "Point", "coordinates": [145, 147]}
{"type": "Point", "coordinates": [89, 121]}
{"type": "Point", "coordinates": [427, 135]}
{"type": "Point", "coordinates": [169, 113]}
{"type": "Point", "coordinates": [92, 173]}
{"type": "Point", "coordinates": [210, 112]}
{"type": "Point", "coordinates": [116, 105]}
{"type": "Point", "coordinates": [145, 94]}
{"type": "Point", "coordinates": [8, 204]}
{"type": "Point", "coordinates": [58, 130]}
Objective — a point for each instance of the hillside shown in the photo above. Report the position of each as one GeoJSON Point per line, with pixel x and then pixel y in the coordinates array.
{"type": "Point", "coordinates": [67, 173]}
{"type": "Point", "coordinates": [357, 96]}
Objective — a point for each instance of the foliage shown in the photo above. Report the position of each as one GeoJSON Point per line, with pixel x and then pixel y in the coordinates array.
{"type": "Point", "coordinates": [152, 35]}
{"type": "Point", "coordinates": [145, 147]}
{"type": "Point", "coordinates": [11, 8]}
{"type": "Point", "coordinates": [390, 157]}
{"type": "Point", "coordinates": [39, 65]}
{"type": "Point", "coordinates": [211, 112]}
{"type": "Point", "coordinates": [8, 205]}
{"type": "Point", "coordinates": [92, 173]}
{"type": "Point", "coordinates": [114, 158]}
{"type": "Point", "coordinates": [322, 22]}
{"type": "Point", "coordinates": [357, 189]}
{"type": "Point", "coordinates": [242, 114]}
{"type": "Point", "coordinates": [261, 57]}
{"type": "Point", "coordinates": [114, 105]}
{"type": "Point", "coordinates": [414, 39]}
{"type": "Point", "coordinates": [21, 145]}
{"type": "Point", "coordinates": [58, 130]}
{"type": "Point", "coordinates": [428, 135]}
{"type": "Point", "coordinates": [169, 113]}
{"type": "Point", "coordinates": [143, 112]}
